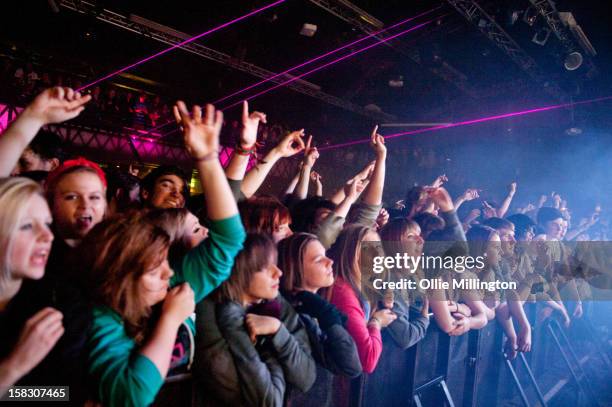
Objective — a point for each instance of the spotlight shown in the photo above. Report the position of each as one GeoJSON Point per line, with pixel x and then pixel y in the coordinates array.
{"type": "Point", "coordinates": [573, 61]}
{"type": "Point", "coordinates": [573, 131]}
{"type": "Point", "coordinates": [396, 81]}
{"type": "Point", "coordinates": [308, 30]}
{"type": "Point", "coordinates": [530, 16]}
{"type": "Point", "coordinates": [541, 36]}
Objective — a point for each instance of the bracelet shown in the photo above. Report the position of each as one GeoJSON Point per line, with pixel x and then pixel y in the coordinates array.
{"type": "Point", "coordinates": [376, 320]}
{"type": "Point", "coordinates": [210, 156]}
{"type": "Point", "coordinates": [244, 151]}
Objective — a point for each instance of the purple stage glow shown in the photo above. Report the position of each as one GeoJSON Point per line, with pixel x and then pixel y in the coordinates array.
{"type": "Point", "coordinates": [469, 122]}
{"type": "Point", "coordinates": [295, 78]}
{"type": "Point", "coordinates": [324, 55]}
{"type": "Point", "coordinates": [187, 41]}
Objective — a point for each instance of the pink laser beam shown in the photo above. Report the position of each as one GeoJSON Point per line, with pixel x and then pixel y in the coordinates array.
{"type": "Point", "coordinates": [187, 41]}
{"type": "Point", "coordinates": [469, 122]}
{"type": "Point", "coordinates": [295, 78]}
{"type": "Point", "coordinates": [323, 66]}
{"type": "Point", "coordinates": [323, 56]}
{"type": "Point", "coordinates": [307, 62]}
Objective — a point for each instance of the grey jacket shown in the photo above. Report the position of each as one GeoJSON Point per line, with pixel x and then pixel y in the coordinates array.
{"type": "Point", "coordinates": [230, 370]}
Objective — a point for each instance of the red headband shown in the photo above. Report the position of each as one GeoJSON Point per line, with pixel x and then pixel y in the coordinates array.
{"type": "Point", "coordinates": [77, 162]}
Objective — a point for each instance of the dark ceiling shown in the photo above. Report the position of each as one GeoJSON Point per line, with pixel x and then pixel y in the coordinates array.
{"type": "Point", "coordinates": [271, 40]}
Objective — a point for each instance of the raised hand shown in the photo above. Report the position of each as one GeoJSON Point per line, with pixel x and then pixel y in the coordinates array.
{"type": "Point", "coordinates": [292, 144]}
{"type": "Point", "coordinates": [470, 194]}
{"type": "Point", "coordinates": [530, 207]}
{"type": "Point", "coordinates": [378, 143]}
{"type": "Point", "coordinates": [383, 218]}
{"type": "Point", "coordinates": [512, 188]}
{"type": "Point", "coordinates": [353, 188]}
{"type": "Point", "coordinates": [311, 154]}
{"type": "Point", "coordinates": [542, 200]}
{"type": "Point", "coordinates": [366, 171]}
{"type": "Point", "coordinates": [250, 123]}
{"type": "Point", "coordinates": [440, 198]}
{"type": "Point", "coordinates": [201, 134]}
{"type": "Point", "coordinates": [316, 178]}
{"type": "Point", "coordinates": [56, 105]}
{"type": "Point", "coordinates": [438, 182]}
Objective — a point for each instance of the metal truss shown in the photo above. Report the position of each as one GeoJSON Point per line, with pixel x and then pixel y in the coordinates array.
{"type": "Point", "coordinates": [472, 12]}
{"type": "Point", "coordinates": [8, 113]}
{"type": "Point", "coordinates": [122, 146]}
{"type": "Point", "coordinates": [170, 36]}
{"type": "Point", "coordinates": [549, 12]}
{"type": "Point", "coordinates": [358, 18]}
{"type": "Point", "coordinates": [125, 146]}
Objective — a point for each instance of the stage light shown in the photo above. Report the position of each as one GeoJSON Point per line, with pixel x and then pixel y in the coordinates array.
{"type": "Point", "coordinates": [573, 61]}
{"type": "Point", "coordinates": [397, 82]}
{"type": "Point", "coordinates": [308, 30]}
{"type": "Point", "coordinates": [187, 41]}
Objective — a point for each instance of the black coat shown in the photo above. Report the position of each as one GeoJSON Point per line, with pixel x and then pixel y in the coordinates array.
{"type": "Point", "coordinates": [65, 365]}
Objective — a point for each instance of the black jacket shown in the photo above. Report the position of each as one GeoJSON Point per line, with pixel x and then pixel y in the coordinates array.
{"type": "Point", "coordinates": [65, 365]}
{"type": "Point", "coordinates": [333, 348]}
{"type": "Point", "coordinates": [230, 370]}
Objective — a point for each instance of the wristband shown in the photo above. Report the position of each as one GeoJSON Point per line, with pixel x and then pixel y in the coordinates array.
{"type": "Point", "coordinates": [244, 151]}
{"type": "Point", "coordinates": [208, 157]}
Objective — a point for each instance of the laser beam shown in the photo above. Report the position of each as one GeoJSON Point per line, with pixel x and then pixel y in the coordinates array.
{"type": "Point", "coordinates": [308, 62]}
{"type": "Point", "coordinates": [295, 78]}
{"type": "Point", "coordinates": [187, 41]}
{"type": "Point", "coordinates": [470, 122]}
{"type": "Point", "coordinates": [324, 55]}
{"type": "Point", "coordinates": [335, 61]}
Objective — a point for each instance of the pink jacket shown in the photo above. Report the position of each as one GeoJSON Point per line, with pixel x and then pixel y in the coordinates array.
{"type": "Point", "coordinates": [367, 338]}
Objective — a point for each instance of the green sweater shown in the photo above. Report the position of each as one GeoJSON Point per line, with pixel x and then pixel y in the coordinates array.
{"type": "Point", "coordinates": [124, 377]}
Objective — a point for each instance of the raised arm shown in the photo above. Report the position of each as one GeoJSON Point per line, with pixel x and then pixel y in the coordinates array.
{"type": "Point", "coordinates": [469, 195]}
{"type": "Point", "coordinates": [311, 154]}
{"type": "Point", "coordinates": [290, 145]}
{"type": "Point", "coordinates": [373, 193]}
{"type": "Point", "coordinates": [209, 264]}
{"type": "Point", "coordinates": [315, 177]}
{"type": "Point", "coordinates": [54, 105]}
{"type": "Point", "coordinates": [246, 145]}
{"type": "Point", "coordinates": [505, 205]}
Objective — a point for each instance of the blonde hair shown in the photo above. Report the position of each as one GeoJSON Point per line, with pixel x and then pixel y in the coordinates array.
{"type": "Point", "coordinates": [14, 193]}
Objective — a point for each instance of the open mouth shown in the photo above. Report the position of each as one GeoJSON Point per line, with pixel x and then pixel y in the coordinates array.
{"type": "Point", "coordinates": [84, 222]}
{"type": "Point", "coordinates": [39, 257]}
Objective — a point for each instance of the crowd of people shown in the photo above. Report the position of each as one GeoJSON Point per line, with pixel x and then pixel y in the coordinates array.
{"type": "Point", "coordinates": [110, 285]}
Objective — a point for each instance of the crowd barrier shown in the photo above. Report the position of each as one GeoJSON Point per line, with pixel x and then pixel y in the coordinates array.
{"type": "Point", "coordinates": [565, 367]}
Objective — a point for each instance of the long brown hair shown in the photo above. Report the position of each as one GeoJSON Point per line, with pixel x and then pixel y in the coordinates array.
{"type": "Point", "coordinates": [119, 251]}
{"type": "Point", "coordinates": [257, 253]}
{"type": "Point", "coordinates": [345, 253]}
{"type": "Point", "coordinates": [291, 252]}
